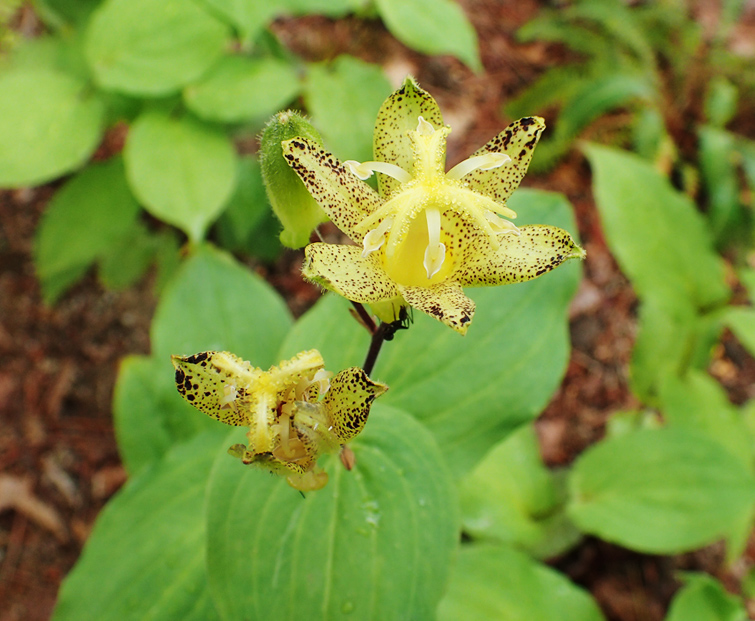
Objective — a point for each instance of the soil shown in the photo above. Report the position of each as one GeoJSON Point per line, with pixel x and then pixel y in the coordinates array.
{"type": "Point", "coordinates": [59, 462]}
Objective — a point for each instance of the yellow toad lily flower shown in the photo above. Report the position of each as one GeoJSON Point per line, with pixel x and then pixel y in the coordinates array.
{"type": "Point", "coordinates": [427, 232]}
{"type": "Point", "coordinates": [295, 411]}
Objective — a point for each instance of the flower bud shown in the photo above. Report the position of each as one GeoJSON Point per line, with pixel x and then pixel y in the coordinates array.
{"type": "Point", "coordinates": [292, 203]}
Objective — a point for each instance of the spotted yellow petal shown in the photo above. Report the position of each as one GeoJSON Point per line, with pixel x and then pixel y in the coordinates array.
{"type": "Point", "coordinates": [398, 115]}
{"type": "Point", "coordinates": [536, 250]}
{"type": "Point", "coordinates": [445, 301]}
{"type": "Point", "coordinates": [216, 383]}
{"type": "Point", "coordinates": [517, 141]}
{"type": "Point", "coordinates": [344, 270]}
{"type": "Point", "coordinates": [342, 195]}
{"type": "Point", "coordinates": [349, 400]}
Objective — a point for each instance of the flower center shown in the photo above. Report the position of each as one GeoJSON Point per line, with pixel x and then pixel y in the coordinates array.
{"type": "Point", "coordinates": [415, 252]}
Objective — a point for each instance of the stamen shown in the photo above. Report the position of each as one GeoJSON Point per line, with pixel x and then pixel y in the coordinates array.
{"type": "Point", "coordinates": [376, 237]}
{"type": "Point", "coordinates": [499, 225]}
{"type": "Point", "coordinates": [424, 128]}
{"type": "Point", "coordinates": [365, 170]}
{"type": "Point", "coordinates": [486, 161]}
{"type": "Point", "coordinates": [435, 253]}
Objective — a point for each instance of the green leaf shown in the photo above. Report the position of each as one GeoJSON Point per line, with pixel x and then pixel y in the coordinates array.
{"type": "Point", "coordinates": [149, 418]}
{"type": "Point", "coordinates": [657, 236]}
{"type": "Point", "coordinates": [346, 86]}
{"type": "Point", "coordinates": [511, 497]}
{"type": "Point", "coordinates": [240, 89]}
{"type": "Point", "coordinates": [129, 259]}
{"type": "Point", "coordinates": [182, 171]}
{"type": "Point", "coordinates": [375, 543]}
{"type": "Point", "coordinates": [50, 123]}
{"type": "Point", "coordinates": [432, 27]}
{"type": "Point", "coordinates": [718, 152]}
{"type": "Point", "coordinates": [703, 598]}
{"type": "Point", "coordinates": [497, 583]}
{"type": "Point", "coordinates": [245, 209]}
{"type": "Point", "coordinates": [249, 18]}
{"type": "Point", "coordinates": [145, 556]}
{"type": "Point", "coordinates": [721, 101]}
{"type": "Point", "coordinates": [673, 337]}
{"type": "Point", "coordinates": [470, 391]}
{"type": "Point", "coordinates": [553, 87]}
{"type": "Point", "coordinates": [660, 491]}
{"type": "Point", "coordinates": [598, 96]}
{"type": "Point", "coordinates": [152, 47]}
{"type": "Point", "coordinates": [741, 321]}
{"type": "Point", "coordinates": [74, 12]}
{"type": "Point", "coordinates": [212, 303]}
{"type": "Point", "coordinates": [699, 403]}
{"type": "Point", "coordinates": [90, 215]}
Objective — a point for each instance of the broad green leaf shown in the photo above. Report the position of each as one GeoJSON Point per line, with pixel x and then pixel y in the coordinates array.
{"type": "Point", "coordinates": [215, 303]}
{"type": "Point", "coordinates": [553, 87]}
{"type": "Point", "coordinates": [90, 215]}
{"type": "Point", "coordinates": [698, 403]}
{"type": "Point", "coordinates": [149, 418]}
{"type": "Point", "coordinates": [703, 598]}
{"type": "Point", "coordinates": [248, 18]}
{"type": "Point", "coordinates": [660, 491]}
{"type": "Point", "coordinates": [470, 391]}
{"type": "Point", "coordinates": [212, 303]}
{"type": "Point", "coordinates": [183, 171]}
{"type": "Point", "coordinates": [245, 209]}
{"type": "Point", "coordinates": [741, 321]}
{"type": "Point", "coordinates": [497, 583]}
{"type": "Point", "coordinates": [145, 556]}
{"type": "Point", "coordinates": [374, 543]}
{"type": "Point", "coordinates": [240, 89]}
{"type": "Point", "coordinates": [511, 497]}
{"type": "Point", "coordinates": [152, 47]}
{"type": "Point", "coordinates": [50, 123]}
{"type": "Point", "coordinates": [717, 165]}
{"type": "Point", "coordinates": [432, 27]}
{"type": "Point", "coordinates": [659, 239]}
{"type": "Point", "coordinates": [129, 259]}
{"type": "Point", "coordinates": [672, 338]}
{"type": "Point", "coordinates": [346, 88]}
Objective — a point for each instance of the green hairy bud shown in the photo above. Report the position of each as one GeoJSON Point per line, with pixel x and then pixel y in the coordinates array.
{"type": "Point", "coordinates": [292, 203]}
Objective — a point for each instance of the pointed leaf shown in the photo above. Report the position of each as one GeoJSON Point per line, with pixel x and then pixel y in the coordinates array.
{"type": "Point", "coordinates": [374, 543]}
{"type": "Point", "coordinates": [658, 237]}
{"type": "Point", "coordinates": [182, 171]}
{"type": "Point", "coordinates": [432, 27]}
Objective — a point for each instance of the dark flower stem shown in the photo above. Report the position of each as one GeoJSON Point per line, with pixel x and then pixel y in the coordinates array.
{"type": "Point", "coordinates": [378, 336]}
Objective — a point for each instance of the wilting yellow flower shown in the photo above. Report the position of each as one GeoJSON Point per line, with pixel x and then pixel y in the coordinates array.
{"type": "Point", "coordinates": [295, 411]}
{"type": "Point", "coordinates": [427, 232]}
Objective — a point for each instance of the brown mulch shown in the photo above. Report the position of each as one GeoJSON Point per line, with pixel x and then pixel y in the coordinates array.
{"type": "Point", "coordinates": [59, 462]}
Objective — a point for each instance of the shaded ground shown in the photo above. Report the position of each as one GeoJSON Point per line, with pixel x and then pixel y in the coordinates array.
{"type": "Point", "coordinates": [58, 457]}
